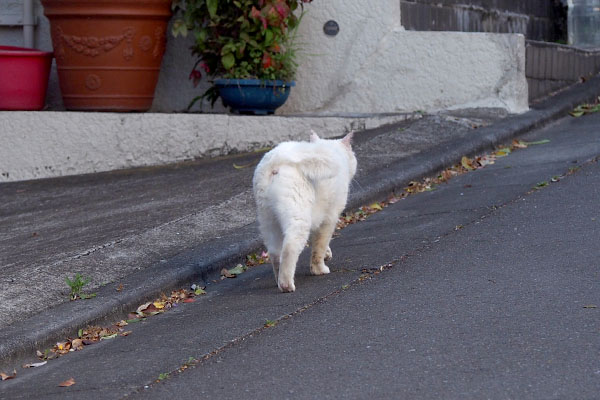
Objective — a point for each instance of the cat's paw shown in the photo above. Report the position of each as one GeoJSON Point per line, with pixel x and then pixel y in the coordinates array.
{"type": "Point", "coordinates": [286, 286]}
{"type": "Point", "coordinates": [328, 254]}
{"type": "Point", "coordinates": [319, 269]}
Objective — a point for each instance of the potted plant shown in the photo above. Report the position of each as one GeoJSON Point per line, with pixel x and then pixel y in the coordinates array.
{"type": "Point", "coordinates": [108, 52]}
{"type": "Point", "coordinates": [23, 78]}
{"type": "Point", "coordinates": [248, 44]}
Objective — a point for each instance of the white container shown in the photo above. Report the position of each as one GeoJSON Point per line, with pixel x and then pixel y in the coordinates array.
{"type": "Point", "coordinates": [584, 23]}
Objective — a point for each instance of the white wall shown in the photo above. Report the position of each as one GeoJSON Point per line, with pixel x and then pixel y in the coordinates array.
{"type": "Point", "coordinates": [374, 65]}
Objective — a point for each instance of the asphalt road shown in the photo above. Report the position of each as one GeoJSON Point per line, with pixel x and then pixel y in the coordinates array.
{"type": "Point", "coordinates": [490, 289]}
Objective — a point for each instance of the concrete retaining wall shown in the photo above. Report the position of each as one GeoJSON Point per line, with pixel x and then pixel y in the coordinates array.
{"type": "Point", "coordinates": [407, 71]}
{"type": "Point", "coordinates": [49, 144]}
{"type": "Point", "coordinates": [374, 65]}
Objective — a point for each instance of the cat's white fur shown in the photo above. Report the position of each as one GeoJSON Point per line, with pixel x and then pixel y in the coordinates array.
{"type": "Point", "coordinates": [300, 190]}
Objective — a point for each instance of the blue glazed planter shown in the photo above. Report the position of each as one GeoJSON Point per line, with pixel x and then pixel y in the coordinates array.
{"type": "Point", "coordinates": [253, 96]}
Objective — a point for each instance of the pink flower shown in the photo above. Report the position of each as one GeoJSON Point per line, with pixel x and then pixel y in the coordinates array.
{"type": "Point", "coordinates": [205, 67]}
{"type": "Point", "coordinates": [282, 9]}
{"type": "Point", "coordinates": [266, 61]}
{"type": "Point", "coordinates": [254, 13]}
{"type": "Point", "coordinates": [195, 76]}
{"type": "Point", "coordinates": [275, 48]}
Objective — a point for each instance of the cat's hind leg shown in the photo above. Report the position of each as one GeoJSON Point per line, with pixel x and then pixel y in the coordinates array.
{"type": "Point", "coordinates": [328, 254]}
{"type": "Point", "coordinates": [320, 249]}
{"type": "Point", "coordinates": [293, 243]}
{"type": "Point", "coordinates": [273, 239]}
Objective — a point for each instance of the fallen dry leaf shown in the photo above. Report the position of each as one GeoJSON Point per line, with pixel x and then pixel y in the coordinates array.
{"type": "Point", "coordinates": [67, 383]}
{"type": "Point", "coordinates": [543, 141]}
{"type": "Point", "coordinates": [77, 344]}
{"type": "Point", "coordinates": [121, 323]}
{"type": "Point", "coordinates": [159, 304]}
{"type": "Point", "coordinates": [62, 348]}
{"type": "Point", "coordinates": [254, 259]}
{"type": "Point", "coordinates": [198, 292]}
{"type": "Point", "coordinates": [486, 160]}
{"type": "Point", "coordinates": [6, 377]}
{"type": "Point", "coordinates": [239, 269]}
{"type": "Point", "coordinates": [376, 206]}
{"type": "Point", "coordinates": [394, 199]}
{"type": "Point", "coordinates": [35, 365]}
{"type": "Point", "coordinates": [467, 163]}
{"type": "Point", "coordinates": [225, 272]}
{"type": "Point", "coordinates": [143, 307]}
{"type": "Point", "coordinates": [107, 337]}
{"type": "Point", "coordinates": [236, 166]}
{"type": "Point", "coordinates": [519, 144]}
{"type": "Point", "coordinates": [502, 152]}
{"type": "Point", "coordinates": [586, 108]}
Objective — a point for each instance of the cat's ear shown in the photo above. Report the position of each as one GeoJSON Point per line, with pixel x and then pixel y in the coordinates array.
{"type": "Point", "coordinates": [347, 140]}
{"type": "Point", "coordinates": [313, 136]}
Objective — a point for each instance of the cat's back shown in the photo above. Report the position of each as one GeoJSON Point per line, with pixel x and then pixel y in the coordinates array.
{"type": "Point", "coordinates": [282, 156]}
{"type": "Point", "coordinates": [300, 163]}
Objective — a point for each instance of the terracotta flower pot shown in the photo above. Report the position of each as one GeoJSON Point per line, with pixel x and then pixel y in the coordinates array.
{"type": "Point", "coordinates": [108, 52]}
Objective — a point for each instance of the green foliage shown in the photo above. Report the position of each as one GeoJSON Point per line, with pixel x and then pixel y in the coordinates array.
{"type": "Point", "coordinates": [269, 323]}
{"type": "Point", "coordinates": [163, 376]}
{"type": "Point", "coordinates": [76, 285]}
{"type": "Point", "coordinates": [240, 39]}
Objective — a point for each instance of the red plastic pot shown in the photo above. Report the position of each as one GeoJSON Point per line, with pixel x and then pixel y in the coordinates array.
{"type": "Point", "coordinates": [23, 78]}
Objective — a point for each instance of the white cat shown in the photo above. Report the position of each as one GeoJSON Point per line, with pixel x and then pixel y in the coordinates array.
{"type": "Point", "coordinates": [300, 190]}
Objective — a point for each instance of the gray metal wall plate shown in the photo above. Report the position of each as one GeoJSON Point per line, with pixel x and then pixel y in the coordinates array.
{"type": "Point", "coordinates": [331, 28]}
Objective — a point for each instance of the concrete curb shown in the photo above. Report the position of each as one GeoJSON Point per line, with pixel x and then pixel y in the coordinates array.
{"type": "Point", "coordinates": [205, 261]}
